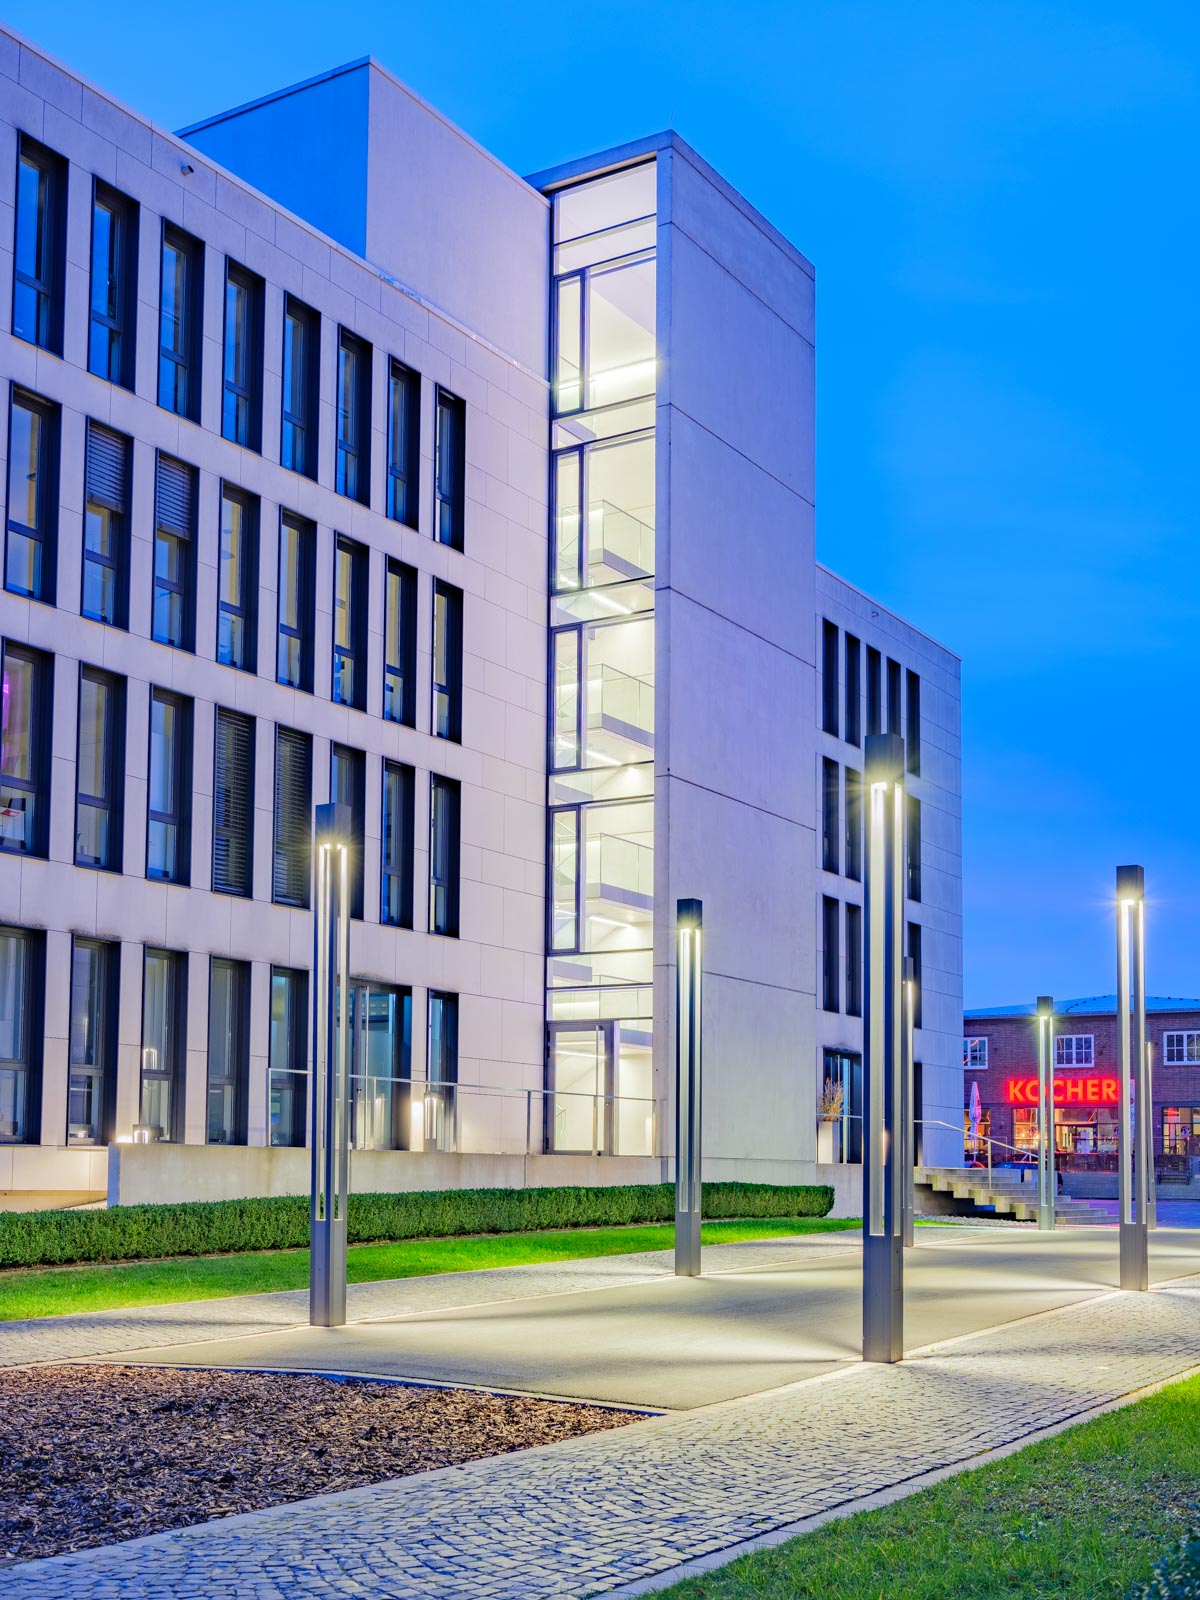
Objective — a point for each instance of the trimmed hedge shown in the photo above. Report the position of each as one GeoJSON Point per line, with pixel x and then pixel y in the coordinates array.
{"type": "Point", "coordinates": [213, 1227]}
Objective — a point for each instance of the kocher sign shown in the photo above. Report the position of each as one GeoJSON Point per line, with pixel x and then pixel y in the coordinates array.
{"type": "Point", "coordinates": [1067, 1091]}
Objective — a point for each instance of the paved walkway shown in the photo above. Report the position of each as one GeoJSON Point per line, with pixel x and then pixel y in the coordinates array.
{"type": "Point", "coordinates": [595, 1514]}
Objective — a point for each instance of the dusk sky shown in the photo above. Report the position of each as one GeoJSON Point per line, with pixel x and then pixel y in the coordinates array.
{"type": "Point", "coordinates": [1000, 201]}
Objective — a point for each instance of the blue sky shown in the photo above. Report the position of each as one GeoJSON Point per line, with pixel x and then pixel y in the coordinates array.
{"type": "Point", "coordinates": [1000, 202]}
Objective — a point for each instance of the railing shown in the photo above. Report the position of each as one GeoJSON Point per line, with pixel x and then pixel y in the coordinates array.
{"type": "Point", "coordinates": [474, 1119]}
{"type": "Point", "coordinates": [839, 1132]}
{"type": "Point", "coordinates": [625, 704]}
{"type": "Point", "coordinates": [620, 865]}
{"type": "Point", "coordinates": [619, 541]}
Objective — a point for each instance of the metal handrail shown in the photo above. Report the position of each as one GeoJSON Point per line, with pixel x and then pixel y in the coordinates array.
{"type": "Point", "coordinates": [936, 1122]}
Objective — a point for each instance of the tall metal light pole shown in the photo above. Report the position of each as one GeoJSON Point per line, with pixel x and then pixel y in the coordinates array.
{"type": "Point", "coordinates": [883, 1029]}
{"type": "Point", "coordinates": [331, 1030]}
{"type": "Point", "coordinates": [1151, 1177]}
{"type": "Point", "coordinates": [1047, 1176]}
{"type": "Point", "coordinates": [1133, 1137]}
{"type": "Point", "coordinates": [907, 1105]}
{"type": "Point", "coordinates": [689, 1027]}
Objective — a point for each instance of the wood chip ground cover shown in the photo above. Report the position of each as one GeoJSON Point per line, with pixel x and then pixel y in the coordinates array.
{"type": "Point", "coordinates": [93, 1455]}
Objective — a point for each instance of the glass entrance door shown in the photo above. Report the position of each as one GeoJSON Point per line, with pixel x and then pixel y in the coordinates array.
{"type": "Point", "coordinates": [600, 1098]}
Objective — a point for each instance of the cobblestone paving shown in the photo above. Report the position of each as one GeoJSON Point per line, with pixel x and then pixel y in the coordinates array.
{"type": "Point", "coordinates": [101, 1333]}
{"type": "Point", "coordinates": [585, 1517]}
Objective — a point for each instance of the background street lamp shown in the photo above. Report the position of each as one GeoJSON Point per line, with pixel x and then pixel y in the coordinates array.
{"type": "Point", "coordinates": [1047, 1176]}
{"type": "Point", "coordinates": [883, 1032]}
{"type": "Point", "coordinates": [329, 1121]}
{"type": "Point", "coordinates": [1133, 1128]}
{"type": "Point", "coordinates": [689, 1025]}
{"type": "Point", "coordinates": [908, 1104]}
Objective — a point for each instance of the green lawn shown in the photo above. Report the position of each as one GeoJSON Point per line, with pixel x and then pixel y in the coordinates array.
{"type": "Point", "coordinates": [54, 1291]}
{"type": "Point", "coordinates": [1082, 1516]}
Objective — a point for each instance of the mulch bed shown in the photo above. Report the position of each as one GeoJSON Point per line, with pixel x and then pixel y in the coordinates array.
{"type": "Point", "coordinates": [94, 1454]}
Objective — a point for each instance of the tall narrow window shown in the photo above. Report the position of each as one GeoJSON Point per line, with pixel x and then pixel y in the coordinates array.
{"type": "Point", "coordinates": [237, 580]}
{"type": "Point", "coordinates": [180, 339]}
{"type": "Point", "coordinates": [92, 1044]}
{"type": "Point", "coordinates": [347, 787]}
{"type": "Point", "coordinates": [287, 1091]}
{"type": "Point", "coordinates": [912, 722]}
{"type": "Point", "coordinates": [874, 690]}
{"type": "Point", "coordinates": [29, 561]}
{"type": "Point", "coordinates": [28, 696]}
{"type": "Point", "coordinates": [854, 824]}
{"type": "Point", "coordinates": [22, 1026]}
{"type": "Point", "coordinates": [404, 442]}
{"type": "Point", "coordinates": [829, 678]}
{"type": "Point", "coordinates": [854, 961]}
{"type": "Point", "coordinates": [174, 614]}
{"type": "Point", "coordinates": [354, 418]}
{"type": "Point", "coordinates": [40, 246]}
{"type": "Point", "coordinates": [443, 1038]}
{"type": "Point", "coordinates": [830, 816]}
{"type": "Point", "coordinates": [164, 1043]}
{"type": "Point", "coordinates": [113, 323]}
{"type": "Point", "coordinates": [853, 690]}
{"type": "Point", "coordinates": [228, 1050]}
{"type": "Point", "coordinates": [168, 833]}
{"type": "Point", "coordinates": [100, 770]}
{"type": "Point", "coordinates": [913, 820]}
{"type": "Point", "coordinates": [380, 1066]}
{"type": "Point", "coordinates": [447, 661]}
{"type": "Point", "coordinates": [830, 953]}
{"type": "Point", "coordinates": [350, 623]}
{"type": "Point", "coordinates": [444, 806]}
{"type": "Point", "coordinates": [914, 953]}
{"type": "Point", "coordinates": [105, 594]}
{"type": "Point", "coordinates": [301, 387]}
{"type": "Point", "coordinates": [396, 877]}
{"type": "Point", "coordinates": [297, 603]}
{"type": "Point", "coordinates": [893, 696]}
{"type": "Point", "coordinates": [400, 644]}
{"type": "Point", "coordinates": [451, 465]}
{"type": "Point", "coordinates": [241, 408]}
{"type": "Point", "coordinates": [293, 808]}
{"type": "Point", "coordinates": [233, 804]}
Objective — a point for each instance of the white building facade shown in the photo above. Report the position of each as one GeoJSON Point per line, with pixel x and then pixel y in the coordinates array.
{"type": "Point", "coordinates": [485, 506]}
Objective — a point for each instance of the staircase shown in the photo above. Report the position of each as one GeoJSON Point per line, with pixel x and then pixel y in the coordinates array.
{"type": "Point", "coordinates": [1002, 1193]}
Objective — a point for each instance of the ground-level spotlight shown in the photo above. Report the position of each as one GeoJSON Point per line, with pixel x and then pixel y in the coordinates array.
{"type": "Point", "coordinates": [1134, 1124]}
{"type": "Point", "coordinates": [329, 1121]}
{"type": "Point", "coordinates": [689, 1024]}
{"type": "Point", "coordinates": [1047, 1176]}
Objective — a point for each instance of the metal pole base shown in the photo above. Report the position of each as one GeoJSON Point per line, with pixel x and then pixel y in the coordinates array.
{"type": "Point", "coordinates": [1046, 1219]}
{"type": "Point", "coordinates": [910, 1232]}
{"type": "Point", "coordinates": [1135, 1264]}
{"type": "Point", "coordinates": [687, 1244]}
{"type": "Point", "coordinates": [883, 1297]}
{"type": "Point", "coordinates": [327, 1291]}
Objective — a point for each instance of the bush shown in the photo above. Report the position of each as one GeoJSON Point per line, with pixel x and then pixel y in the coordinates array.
{"type": "Point", "coordinates": [1177, 1575]}
{"type": "Point", "coordinates": [212, 1227]}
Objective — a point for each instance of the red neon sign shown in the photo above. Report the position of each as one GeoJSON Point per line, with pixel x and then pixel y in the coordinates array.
{"type": "Point", "coordinates": [1067, 1091]}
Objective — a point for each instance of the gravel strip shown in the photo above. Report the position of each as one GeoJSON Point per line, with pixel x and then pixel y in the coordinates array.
{"type": "Point", "coordinates": [91, 1456]}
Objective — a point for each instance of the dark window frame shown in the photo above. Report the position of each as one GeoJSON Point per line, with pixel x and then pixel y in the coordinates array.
{"type": "Point", "coordinates": [400, 679]}
{"type": "Point", "coordinates": [244, 395]}
{"type": "Point", "coordinates": [854, 824]}
{"type": "Point", "coordinates": [450, 472]}
{"type": "Point", "coordinates": [236, 1081]}
{"type": "Point", "coordinates": [181, 757]}
{"type": "Point", "coordinates": [113, 804]}
{"type": "Point", "coordinates": [445, 715]}
{"type": "Point", "coordinates": [37, 840]}
{"type": "Point", "coordinates": [46, 493]}
{"type": "Point", "coordinates": [853, 689]}
{"type": "Point", "coordinates": [356, 762]}
{"type": "Point", "coordinates": [445, 856]}
{"type": "Point", "coordinates": [404, 454]}
{"type": "Point", "coordinates": [352, 413]}
{"type": "Point", "coordinates": [29, 1062]}
{"type": "Point", "coordinates": [912, 846]}
{"type": "Point", "coordinates": [912, 948]}
{"type": "Point", "coordinates": [103, 1073]}
{"type": "Point", "coordinates": [116, 504]}
{"type": "Point", "coordinates": [352, 655]}
{"type": "Point", "coordinates": [830, 953]}
{"type": "Point", "coordinates": [854, 959]}
{"type": "Point", "coordinates": [894, 707]}
{"type": "Point", "coordinates": [397, 875]}
{"type": "Point", "coordinates": [874, 690]}
{"type": "Point", "coordinates": [912, 722]}
{"type": "Point", "coordinates": [306, 601]}
{"type": "Point", "coordinates": [305, 426]}
{"type": "Point", "coordinates": [51, 288]}
{"type": "Point", "coordinates": [291, 843]}
{"type": "Point", "coordinates": [247, 611]}
{"type": "Point", "coordinates": [233, 807]}
{"type": "Point", "coordinates": [190, 357]}
{"type": "Point", "coordinates": [175, 1074]}
{"type": "Point", "coordinates": [829, 677]}
{"type": "Point", "coordinates": [122, 268]}
{"type": "Point", "coordinates": [296, 1047]}
{"type": "Point", "coordinates": [831, 818]}
{"type": "Point", "coordinates": [184, 586]}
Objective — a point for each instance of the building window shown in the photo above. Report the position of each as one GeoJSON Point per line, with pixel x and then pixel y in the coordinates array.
{"type": "Point", "coordinates": [404, 443]}
{"type": "Point", "coordinates": [287, 1091]}
{"type": "Point", "coordinates": [233, 804]}
{"type": "Point", "coordinates": [297, 603]}
{"type": "Point", "coordinates": [92, 1043]}
{"type": "Point", "coordinates": [853, 690]}
{"type": "Point", "coordinates": [348, 787]}
{"type": "Point", "coordinates": [22, 1018]}
{"type": "Point", "coordinates": [441, 1098]}
{"type": "Point", "coordinates": [29, 562]}
{"type": "Point", "coordinates": [291, 866]}
{"type": "Point", "coordinates": [380, 1066]}
{"type": "Point", "coordinates": [975, 1054]}
{"type": "Point", "coordinates": [829, 678]}
{"type": "Point", "coordinates": [228, 1050]}
{"type": "Point", "coordinates": [912, 722]}
{"type": "Point", "coordinates": [354, 418]}
{"type": "Point", "coordinates": [830, 952]}
{"type": "Point", "coordinates": [854, 824]}
{"type": "Point", "coordinates": [168, 835]}
{"type": "Point", "coordinates": [28, 698]}
{"type": "Point", "coordinates": [830, 815]}
{"type": "Point", "coordinates": [914, 955]}
{"type": "Point", "coordinates": [444, 822]}
{"type": "Point", "coordinates": [164, 1042]}
{"type": "Point", "coordinates": [447, 661]}
{"type": "Point", "coordinates": [1074, 1050]}
{"type": "Point", "coordinates": [113, 325]}
{"type": "Point", "coordinates": [396, 887]}
{"type": "Point", "coordinates": [451, 469]}
{"type": "Point", "coordinates": [913, 852]}
{"type": "Point", "coordinates": [174, 615]}
{"type": "Point", "coordinates": [893, 696]}
{"type": "Point", "coordinates": [237, 580]}
{"type": "Point", "coordinates": [105, 596]}
{"type": "Point", "coordinates": [241, 409]}
{"type": "Point", "coordinates": [301, 387]}
{"type": "Point", "coordinates": [1181, 1049]}
{"type": "Point", "coordinates": [874, 690]}
{"type": "Point", "coordinates": [854, 961]}
{"type": "Point", "coordinates": [39, 248]}
{"type": "Point", "coordinates": [1181, 1131]}
{"type": "Point", "coordinates": [100, 770]}
{"type": "Point", "coordinates": [400, 644]}
{"type": "Point", "coordinates": [180, 339]}
{"type": "Point", "coordinates": [350, 623]}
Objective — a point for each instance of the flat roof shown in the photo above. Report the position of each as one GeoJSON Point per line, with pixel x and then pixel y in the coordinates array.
{"type": "Point", "coordinates": [1097, 1005]}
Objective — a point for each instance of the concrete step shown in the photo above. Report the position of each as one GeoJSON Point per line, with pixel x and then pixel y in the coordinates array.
{"type": "Point", "coordinates": [1004, 1193]}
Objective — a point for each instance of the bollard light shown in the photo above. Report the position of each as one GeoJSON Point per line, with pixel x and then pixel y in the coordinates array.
{"type": "Point", "coordinates": [1133, 1127]}
{"type": "Point", "coordinates": [330, 1130]}
{"type": "Point", "coordinates": [1047, 1177]}
{"type": "Point", "coordinates": [688, 1038]}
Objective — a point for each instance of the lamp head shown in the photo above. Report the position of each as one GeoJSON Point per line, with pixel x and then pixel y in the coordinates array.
{"type": "Point", "coordinates": [883, 758]}
{"type": "Point", "coordinates": [333, 824]}
{"type": "Point", "coordinates": [689, 914]}
{"type": "Point", "coordinates": [1131, 883]}
{"type": "Point", "coordinates": [1045, 1006]}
